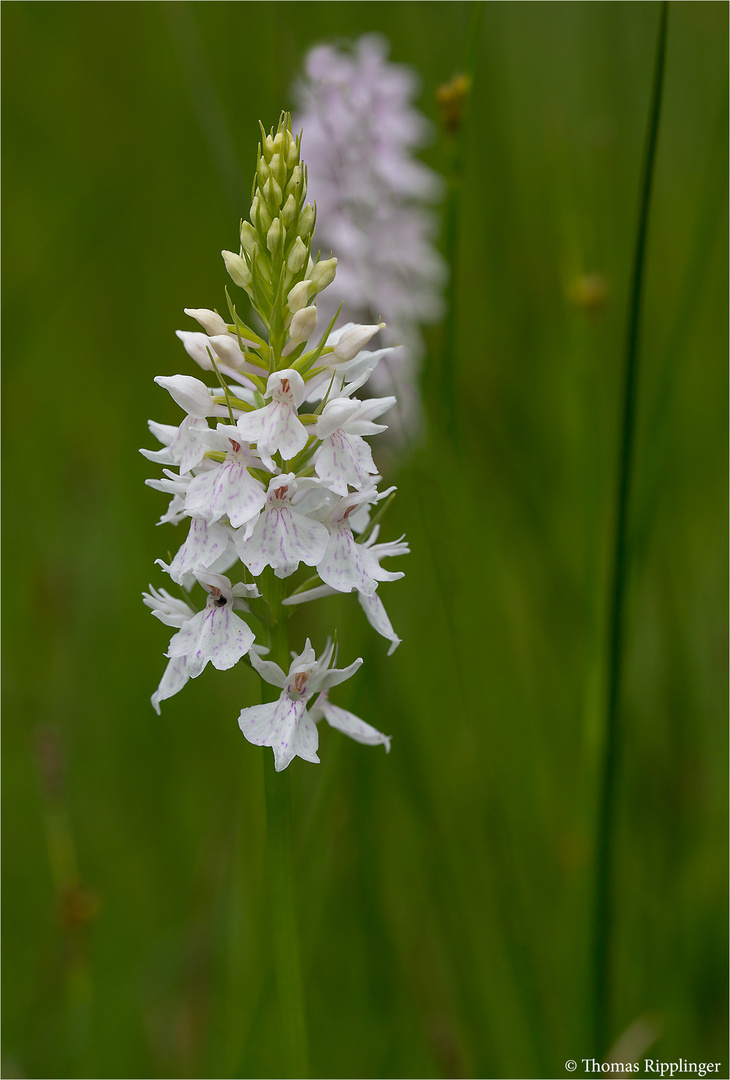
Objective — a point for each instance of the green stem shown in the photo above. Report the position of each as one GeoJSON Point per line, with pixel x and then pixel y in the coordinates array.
{"type": "Point", "coordinates": [603, 928]}
{"type": "Point", "coordinates": [284, 922]}
{"type": "Point", "coordinates": [441, 381]}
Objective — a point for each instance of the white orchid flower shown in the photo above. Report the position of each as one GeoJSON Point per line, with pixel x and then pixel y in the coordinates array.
{"type": "Point", "coordinates": [285, 725]}
{"type": "Point", "coordinates": [282, 537]}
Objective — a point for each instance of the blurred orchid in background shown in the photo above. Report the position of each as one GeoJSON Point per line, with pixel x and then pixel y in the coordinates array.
{"type": "Point", "coordinates": [375, 203]}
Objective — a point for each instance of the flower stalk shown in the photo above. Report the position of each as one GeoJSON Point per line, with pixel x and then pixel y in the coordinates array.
{"type": "Point", "coordinates": [285, 936]}
{"type": "Point", "coordinates": [282, 887]}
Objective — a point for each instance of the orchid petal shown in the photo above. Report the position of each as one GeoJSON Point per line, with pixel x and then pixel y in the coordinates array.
{"type": "Point", "coordinates": [205, 544]}
{"type": "Point", "coordinates": [377, 616]}
{"type": "Point", "coordinates": [215, 635]}
{"type": "Point", "coordinates": [172, 681]}
{"type": "Point", "coordinates": [285, 726]}
{"type": "Point", "coordinates": [228, 490]}
{"type": "Point", "coordinates": [348, 723]}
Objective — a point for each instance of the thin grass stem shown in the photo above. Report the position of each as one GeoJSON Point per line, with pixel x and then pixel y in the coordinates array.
{"type": "Point", "coordinates": [603, 925]}
{"type": "Point", "coordinates": [440, 379]}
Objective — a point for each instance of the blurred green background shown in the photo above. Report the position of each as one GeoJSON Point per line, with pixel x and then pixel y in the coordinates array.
{"type": "Point", "coordinates": [446, 888]}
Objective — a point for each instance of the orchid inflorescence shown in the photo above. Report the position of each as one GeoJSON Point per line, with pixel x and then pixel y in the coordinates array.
{"type": "Point", "coordinates": [375, 201]}
{"type": "Point", "coordinates": [282, 492]}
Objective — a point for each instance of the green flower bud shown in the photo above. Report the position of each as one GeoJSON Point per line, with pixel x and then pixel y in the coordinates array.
{"type": "Point", "coordinates": [236, 267]}
{"type": "Point", "coordinates": [299, 296]}
{"type": "Point", "coordinates": [272, 193]}
{"type": "Point", "coordinates": [267, 148]}
{"type": "Point", "coordinates": [322, 274]}
{"type": "Point", "coordinates": [277, 167]}
{"type": "Point", "coordinates": [292, 156]}
{"type": "Point", "coordinates": [289, 212]}
{"type": "Point", "coordinates": [306, 221]}
{"type": "Point", "coordinates": [295, 180]}
{"type": "Point", "coordinates": [248, 238]}
{"type": "Point", "coordinates": [275, 236]}
{"type": "Point", "coordinates": [263, 217]}
{"type": "Point", "coordinates": [297, 256]}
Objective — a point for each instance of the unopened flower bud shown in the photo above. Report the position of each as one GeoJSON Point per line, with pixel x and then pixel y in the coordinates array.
{"type": "Point", "coordinates": [263, 217]}
{"type": "Point", "coordinates": [197, 346]}
{"type": "Point", "coordinates": [289, 212]}
{"type": "Point", "coordinates": [211, 321]}
{"type": "Point", "coordinates": [306, 220]}
{"type": "Point", "coordinates": [295, 180]}
{"type": "Point", "coordinates": [303, 325]}
{"type": "Point", "coordinates": [323, 274]}
{"type": "Point", "coordinates": [272, 193]}
{"type": "Point", "coordinates": [278, 142]}
{"type": "Point", "coordinates": [355, 339]}
{"type": "Point", "coordinates": [227, 349]}
{"type": "Point", "coordinates": [275, 236]}
{"type": "Point", "coordinates": [267, 148]}
{"type": "Point", "coordinates": [191, 394]}
{"type": "Point", "coordinates": [298, 296]}
{"type": "Point", "coordinates": [236, 267]}
{"type": "Point", "coordinates": [248, 238]}
{"type": "Point", "coordinates": [277, 169]}
{"type": "Point", "coordinates": [297, 256]}
{"type": "Point", "coordinates": [292, 154]}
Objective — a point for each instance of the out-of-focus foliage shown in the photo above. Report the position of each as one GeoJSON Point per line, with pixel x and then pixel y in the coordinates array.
{"type": "Point", "coordinates": [445, 889]}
